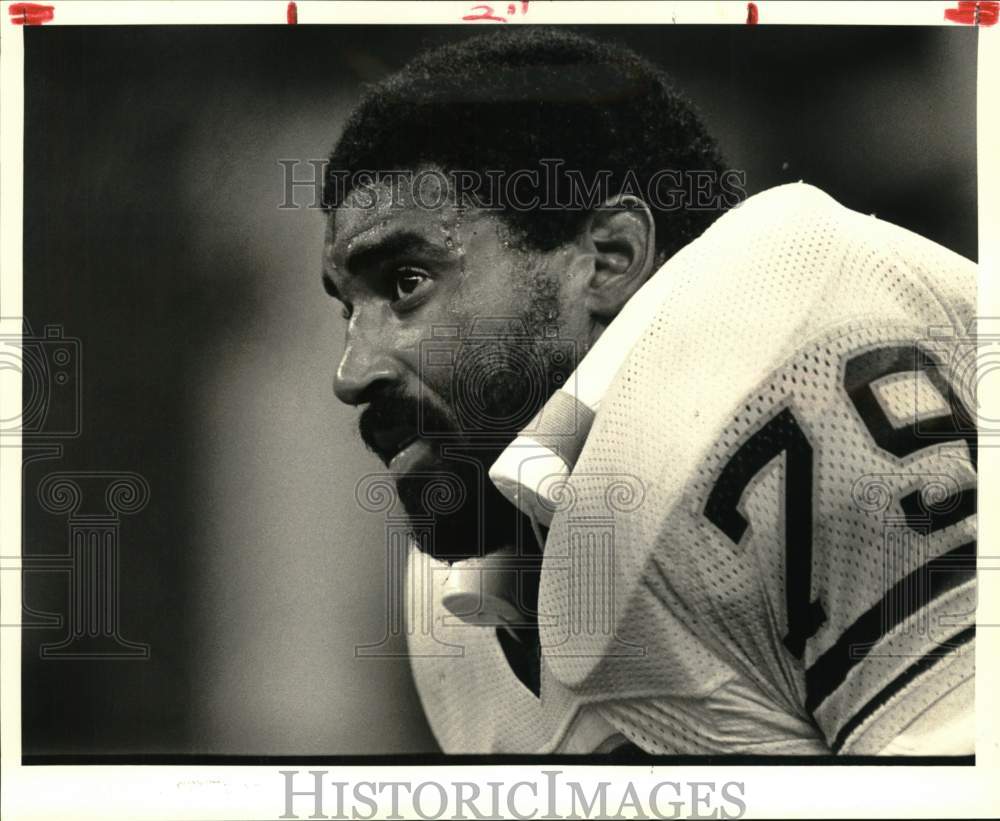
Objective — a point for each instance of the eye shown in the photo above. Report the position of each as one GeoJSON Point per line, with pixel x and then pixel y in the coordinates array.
{"type": "Point", "coordinates": [408, 281]}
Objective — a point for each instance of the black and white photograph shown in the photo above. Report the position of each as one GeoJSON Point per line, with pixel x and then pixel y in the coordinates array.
{"type": "Point", "coordinates": [497, 389]}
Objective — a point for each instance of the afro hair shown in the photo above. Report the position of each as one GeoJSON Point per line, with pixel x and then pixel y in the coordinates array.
{"type": "Point", "coordinates": [522, 97]}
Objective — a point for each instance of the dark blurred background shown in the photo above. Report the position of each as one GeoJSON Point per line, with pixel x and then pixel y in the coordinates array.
{"type": "Point", "coordinates": [153, 235]}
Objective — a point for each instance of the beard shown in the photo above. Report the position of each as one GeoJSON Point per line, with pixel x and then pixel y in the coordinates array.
{"type": "Point", "coordinates": [469, 412]}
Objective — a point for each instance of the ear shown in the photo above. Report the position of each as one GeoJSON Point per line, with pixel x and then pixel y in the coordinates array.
{"type": "Point", "coordinates": [622, 238]}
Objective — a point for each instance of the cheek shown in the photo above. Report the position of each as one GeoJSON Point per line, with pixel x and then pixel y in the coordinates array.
{"type": "Point", "coordinates": [497, 284]}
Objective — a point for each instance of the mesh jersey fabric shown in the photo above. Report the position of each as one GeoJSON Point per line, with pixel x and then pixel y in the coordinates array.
{"type": "Point", "coordinates": [763, 538]}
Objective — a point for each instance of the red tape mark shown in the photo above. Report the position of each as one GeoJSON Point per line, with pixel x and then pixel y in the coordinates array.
{"type": "Point", "coordinates": [30, 14]}
{"type": "Point", "coordinates": [971, 13]}
{"type": "Point", "coordinates": [752, 15]}
{"type": "Point", "coordinates": [292, 14]}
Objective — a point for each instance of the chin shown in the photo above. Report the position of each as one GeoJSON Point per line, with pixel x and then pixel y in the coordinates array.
{"type": "Point", "coordinates": [454, 505]}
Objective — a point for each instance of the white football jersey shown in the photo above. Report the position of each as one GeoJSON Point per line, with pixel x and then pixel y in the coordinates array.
{"type": "Point", "coordinates": [762, 536]}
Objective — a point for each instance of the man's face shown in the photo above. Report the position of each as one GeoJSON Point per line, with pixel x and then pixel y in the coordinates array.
{"type": "Point", "coordinates": [455, 338]}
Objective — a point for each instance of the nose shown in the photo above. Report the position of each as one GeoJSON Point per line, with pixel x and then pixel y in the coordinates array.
{"type": "Point", "coordinates": [366, 360]}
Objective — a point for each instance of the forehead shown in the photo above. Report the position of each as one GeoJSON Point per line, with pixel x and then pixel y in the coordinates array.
{"type": "Point", "coordinates": [419, 202]}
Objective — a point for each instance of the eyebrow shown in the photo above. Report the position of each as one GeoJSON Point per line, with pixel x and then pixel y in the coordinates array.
{"type": "Point", "coordinates": [366, 254]}
{"type": "Point", "coordinates": [400, 242]}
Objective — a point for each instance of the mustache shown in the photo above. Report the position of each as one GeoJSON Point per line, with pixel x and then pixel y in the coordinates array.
{"type": "Point", "coordinates": [391, 408]}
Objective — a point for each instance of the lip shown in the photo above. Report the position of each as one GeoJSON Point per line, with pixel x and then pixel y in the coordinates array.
{"type": "Point", "coordinates": [414, 452]}
{"type": "Point", "coordinates": [392, 440]}
{"type": "Point", "coordinates": [404, 443]}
